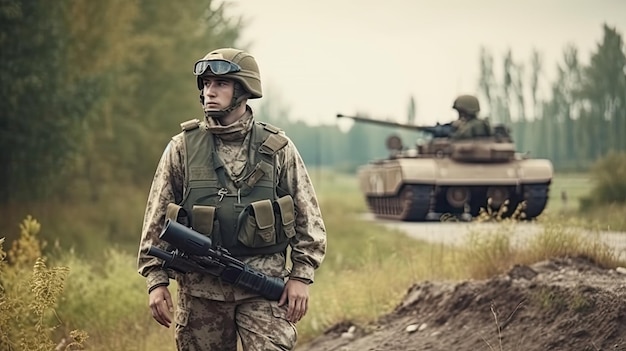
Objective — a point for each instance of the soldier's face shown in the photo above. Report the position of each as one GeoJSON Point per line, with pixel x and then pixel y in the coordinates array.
{"type": "Point", "coordinates": [218, 92]}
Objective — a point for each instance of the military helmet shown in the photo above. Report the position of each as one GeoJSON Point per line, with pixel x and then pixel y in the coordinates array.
{"type": "Point", "coordinates": [232, 64]}
{"type": "Point", "coordinates": [467, 103]}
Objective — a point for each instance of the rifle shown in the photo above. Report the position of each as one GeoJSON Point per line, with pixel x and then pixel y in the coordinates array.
{"type": "Point", "coordinates": [193, 252]}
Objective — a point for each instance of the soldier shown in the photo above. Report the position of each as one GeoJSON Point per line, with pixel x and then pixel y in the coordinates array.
{"type": "Point", "coordinates": [244, 184]}
{"type": "Point", "coordinates": [469, 125]}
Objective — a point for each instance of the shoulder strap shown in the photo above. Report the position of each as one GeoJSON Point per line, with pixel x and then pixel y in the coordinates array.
{"type": "Point", "coordinates": [274, 140]}
{"type": "Point", "coordinates": [266, 142]}
{"type": "Point", "coordinates": [190, 124]}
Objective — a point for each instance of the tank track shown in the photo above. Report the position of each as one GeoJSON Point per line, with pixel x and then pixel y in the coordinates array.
{"type": "Point", "coordinates": [536, 197]}
{"type": "Point", "coordinates": [412, 203]}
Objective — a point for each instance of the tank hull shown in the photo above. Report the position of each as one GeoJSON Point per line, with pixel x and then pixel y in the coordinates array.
{"type": "Point", "coordinates": [417, 189]}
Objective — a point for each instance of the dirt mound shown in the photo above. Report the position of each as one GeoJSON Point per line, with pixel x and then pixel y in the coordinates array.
{"type": "Point", "coordinates": [561, 304]}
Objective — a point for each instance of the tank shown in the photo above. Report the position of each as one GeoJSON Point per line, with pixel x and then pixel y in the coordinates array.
{"type": "Point", "coordinates": [444, 176]}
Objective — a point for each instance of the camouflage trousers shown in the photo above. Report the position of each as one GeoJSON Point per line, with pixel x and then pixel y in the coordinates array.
{"type": "Point", "coordinates": [209, 325]}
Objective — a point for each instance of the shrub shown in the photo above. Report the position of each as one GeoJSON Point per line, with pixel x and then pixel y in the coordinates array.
{"type": "Point", "coordinates": [104, 296]}
{"type": "Point", "coordinates": [27, 301]}
{"type": "Point", "coordinates": [608, 175]}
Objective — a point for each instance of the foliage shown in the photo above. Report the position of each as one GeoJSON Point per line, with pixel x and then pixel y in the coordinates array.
{"type": "Point", "coordinates": [27, 301]}
{"type": "Point", "coordinates": [584, 116]}
{"type": "Point", "coordinates": [27, 249]}
{"type": "Point", "coordinates": [108, 299]}
{"type": "Point", "coordinates": [491, 249]}
{"type": "Point", "coordinates": [42, 105]}
{"type": "Point", "coordinates": [604, 89]}
{"type": "Point", "coordinates": [607, 217]}
{"type": "Point", "coordinates": [106, 84]}
{"type": "Point", "coordinates": [113, 222]}
{"type": "Point", "coordinates": [490, 214]}
{"type": "Point", "coordinates": [608, 175]}
{"type": "Point", "coordinates": [114, 275]}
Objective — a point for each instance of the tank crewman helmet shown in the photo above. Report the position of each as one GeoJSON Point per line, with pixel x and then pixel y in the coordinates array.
{"type": "Point", "coordinates": [467, 104]}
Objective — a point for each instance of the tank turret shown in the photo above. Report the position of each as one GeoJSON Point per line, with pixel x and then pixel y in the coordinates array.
{"type": "Point", "coordinates": [496, 147]}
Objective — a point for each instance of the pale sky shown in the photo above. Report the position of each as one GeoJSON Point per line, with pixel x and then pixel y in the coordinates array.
{"type": "Point", "coordinates": [325, 57]}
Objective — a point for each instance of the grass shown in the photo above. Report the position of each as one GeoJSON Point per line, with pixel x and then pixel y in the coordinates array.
{"type": "Point", "coordinates": [493, 250]}
{"type": "Point", "coordinates": [576, 186]}
{"type": "Point", "coordinates": [367, 270]}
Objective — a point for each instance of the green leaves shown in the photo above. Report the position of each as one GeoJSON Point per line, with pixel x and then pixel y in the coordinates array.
{"type": "Point", "coordinates": [92, 90]}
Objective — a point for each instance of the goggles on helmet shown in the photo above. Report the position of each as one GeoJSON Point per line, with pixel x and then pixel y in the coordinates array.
{"type": "Point", "coordinates": [218, 67]}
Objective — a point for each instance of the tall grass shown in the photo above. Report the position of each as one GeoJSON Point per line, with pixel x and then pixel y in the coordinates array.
{"type": "Point", "coordinates": [493, 250]}
{"type": "Point", "coordinates": [29, 292]}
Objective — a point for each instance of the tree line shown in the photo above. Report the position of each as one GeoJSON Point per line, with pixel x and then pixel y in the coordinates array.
{"type": "Point", "coordinates": [584, 116]}
{"type": "Point", "coordinates": [92, 91]}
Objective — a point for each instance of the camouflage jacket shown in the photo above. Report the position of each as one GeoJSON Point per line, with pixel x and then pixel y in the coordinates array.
{"type": "Point", "coordinates": [308, 246]}
{"type": "Point", "coordinates": [472, 128]}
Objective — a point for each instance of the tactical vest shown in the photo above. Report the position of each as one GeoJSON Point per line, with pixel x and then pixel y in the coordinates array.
{"type": "Point", "coordinates": [255, 216]}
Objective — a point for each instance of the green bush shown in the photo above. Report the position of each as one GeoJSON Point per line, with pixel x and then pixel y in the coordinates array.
{"type": "Point", "coordinates": [43, 298]}
{"type": "Point", "coordinates": [103, 293]}
{"type": "Point", "coordinates": [608, 176]}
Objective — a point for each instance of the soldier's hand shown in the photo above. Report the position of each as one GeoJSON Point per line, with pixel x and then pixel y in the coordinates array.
{"type": "Point", "coordinates": [161, 305]}
{"type": "Point", "coordinates": [296, 293]}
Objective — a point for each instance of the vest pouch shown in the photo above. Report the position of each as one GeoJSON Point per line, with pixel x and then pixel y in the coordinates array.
{"type": "Point", "coordinates": [287, 213]}
{"type": "Point", "coordinates": [203, 219]}
{"type": "Point", "coordinates": [257, 225]}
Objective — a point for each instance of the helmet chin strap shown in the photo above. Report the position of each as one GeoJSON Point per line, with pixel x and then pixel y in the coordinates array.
{"type": "Point", "coordinates": [219, 114]}
{"type": "Point", "coordinates": [239, 96]}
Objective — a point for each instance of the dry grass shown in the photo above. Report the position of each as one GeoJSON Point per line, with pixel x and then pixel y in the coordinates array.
{"type": "Point", "coordinates": [28, 301]}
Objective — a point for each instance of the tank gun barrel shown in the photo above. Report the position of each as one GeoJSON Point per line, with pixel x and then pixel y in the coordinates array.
{"type": "Point", "coordinates": [437, 131]}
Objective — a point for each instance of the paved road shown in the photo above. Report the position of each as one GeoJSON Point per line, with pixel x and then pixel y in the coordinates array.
{"type": "Point", "coordinates": [456, 233]}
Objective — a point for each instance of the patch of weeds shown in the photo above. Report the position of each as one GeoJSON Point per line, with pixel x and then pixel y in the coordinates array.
{"type": "Point", "coordinates": [581, 303]}
{"type": "Point", "coordinates": [549, 299]}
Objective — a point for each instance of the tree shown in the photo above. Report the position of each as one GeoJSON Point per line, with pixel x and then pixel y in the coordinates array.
{"type": "Point", "coordinates": [43, 104]}
{"type": "Point", "coordinates": [568, 105]}
{"type": "Point", "coordinates": [93, 90]}
{"type": "Point", "coordinates": [536, 70]}
{"type": "Point", "coordinates": [486, 82]}
{"type": "Point", "coordinates": [517, 85]}
{"type": "Point", "coordinates": [507, 83]}
{"type": "Point", "coordinates": [411, 110]}
{"type": "Point", "coordinates": [604, 89]}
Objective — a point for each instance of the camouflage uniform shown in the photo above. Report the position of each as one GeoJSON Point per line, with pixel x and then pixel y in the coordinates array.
{"type": "Point", "coordinates": [471, 128]}
{"type": "Point", "coordinates": [211, 313]}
